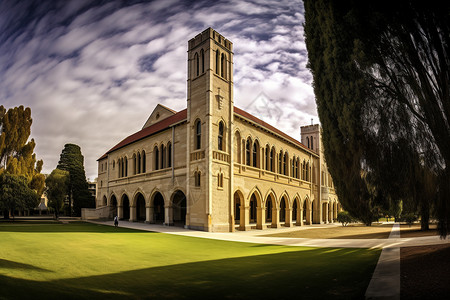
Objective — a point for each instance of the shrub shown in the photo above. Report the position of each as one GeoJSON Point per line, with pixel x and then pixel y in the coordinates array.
{"type": "Point", "coordinates": [344, 218]}
{"type": "Point", "coordinates": [410, 218]}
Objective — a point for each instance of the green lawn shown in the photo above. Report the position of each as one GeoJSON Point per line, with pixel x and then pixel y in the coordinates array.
{"type": "Point", "coordinates": [82, 260]}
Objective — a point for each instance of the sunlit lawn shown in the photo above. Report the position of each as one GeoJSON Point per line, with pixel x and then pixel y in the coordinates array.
{"type": "Point", "coordinates": [82, 260]}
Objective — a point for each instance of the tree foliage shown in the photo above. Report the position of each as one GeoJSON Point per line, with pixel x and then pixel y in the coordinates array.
{"type": "Point", "coordinates": [16, 152]}
{"type": "Point", "coordinates": [57, 185]}
{"type": "Point", "coordinates": [72, 160]}
{"type": "Point", "coordinates": [15, 193]}
{"type": "Point", "coordinates": [390, 63]}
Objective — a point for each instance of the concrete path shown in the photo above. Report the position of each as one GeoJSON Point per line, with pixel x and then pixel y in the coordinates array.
{"type": "Point", "coordinates": [385, 282]}
{"type": "Point", "coordinates": [255, 236]}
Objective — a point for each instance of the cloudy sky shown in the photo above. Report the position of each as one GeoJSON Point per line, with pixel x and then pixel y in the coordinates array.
{"type": "Point", "coordinates": [93, 71]}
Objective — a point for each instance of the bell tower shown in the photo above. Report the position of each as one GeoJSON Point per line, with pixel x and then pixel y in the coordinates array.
{"type": "Point", "coordinates": [209, 142]}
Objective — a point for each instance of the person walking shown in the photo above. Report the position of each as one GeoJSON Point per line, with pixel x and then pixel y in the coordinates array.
{"type": "Point", "coordinates": [116, 221]}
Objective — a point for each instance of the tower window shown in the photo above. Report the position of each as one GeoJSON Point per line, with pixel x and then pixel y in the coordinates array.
{"type": "Point", "coordinates": [217, 62]}
{"type": "Point", "coordinates": [197, 67]}
{"type": "Point", "coordinates": [198, 134]}
{"type": "Point", "coordinates": [222, 65]}
{"type": "Point", "coordinates": [197, 178]}
{"type": "Point", "coordinates": [202, 58]}
{"type": "Point", "coordinates": [220, 137]}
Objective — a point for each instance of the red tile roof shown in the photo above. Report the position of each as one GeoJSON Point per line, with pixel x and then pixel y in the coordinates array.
{"type": "Point", "coordinates": [181, 116]}
{"type": "Point", "coordinates": [148, 131]}
{"type": "Point", "coordinates": [270, 127]}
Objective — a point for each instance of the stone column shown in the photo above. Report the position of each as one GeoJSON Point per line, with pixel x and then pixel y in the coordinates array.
{"type": "Point", "coordinates": [120, 212]}
{"type": "Point", "coordinates": [275, 218]}
{"type": "Point", "coordinates": [260, 224]}
{"type": "Point", "coordinates": [245, 218]}
{"type": "Point", "coordinates": [168, 216]}
{"type": "Point", "coordinates": [133, 213]}
{"type": "Point", "coordinates": [149, 215]}
{"type": "Point", "coordinates": [288, 218]}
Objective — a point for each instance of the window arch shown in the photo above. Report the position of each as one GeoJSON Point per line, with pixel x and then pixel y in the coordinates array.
{"type": "Point", "coordinates": [217, 62]}
{"type": "Point", "coordinates": [286, 164]}
{"type": "Point", "coordinates": [223, 69]}
{"type": "Point", "coordinates": [139, 163]}
{"type": "Point", "coordinates": [197, 66]}
{"type": "Point", "coordinates": [248, 151]}
{"type": "Point", "coordinates": [237, 136]}
{"type": "Point", "coordinates": [197, 178]}
{"type": "Point", "coordinates": [134, 164]}
{"type": "Point", "coordinates": [198, 134]}
{"type": "Point", "coordinates": [169, 154]}
{"type": "Point", "coordinates": [156, 158]}
{"type": "Point", "coordinates": [163, 156]}
{"type": "Point", "coordinates": [202, 60]}
{"type": "Point", "coordinates": [280, 162]}
{"type": "Point", "coordinates": [143, 162]}
{"type": "Point", "coordinates": [220, 141]}
{"type": "Point", "coordinates": [255, 154]}
{"type": "Point", "coordinates": [272, 159]}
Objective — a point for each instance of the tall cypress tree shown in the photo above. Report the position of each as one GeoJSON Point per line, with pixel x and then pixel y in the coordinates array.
{"type": "Point", "coordinates": [72, 160]}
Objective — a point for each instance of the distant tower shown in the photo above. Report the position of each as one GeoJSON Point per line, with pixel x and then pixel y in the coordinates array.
{"type": "Point", "coordinates": [310, 137]}
{"type": "Point", "coordinates": [209, 117]}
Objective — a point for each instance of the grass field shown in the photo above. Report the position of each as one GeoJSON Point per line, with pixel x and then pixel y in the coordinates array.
{"type": "Point", "coordinates": [81, 260]}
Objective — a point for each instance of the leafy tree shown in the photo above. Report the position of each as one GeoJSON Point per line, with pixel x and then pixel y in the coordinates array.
{"type": "Point", "coordinates": [57, 184]}
{"type": "Point", "coordinates": [344, 218]}
{"type": "Point", "coordinates": [15, 193]}
{"type": "Point", "coordinates": [16, 152]}
{"type": "Point", "coordinates": [72, 160]}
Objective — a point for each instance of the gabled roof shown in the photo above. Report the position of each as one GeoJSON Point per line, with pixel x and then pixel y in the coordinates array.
{"type": "Point", "coordinates": [148, 131]}
{"type": "Point", "coordinates": [182, 116]}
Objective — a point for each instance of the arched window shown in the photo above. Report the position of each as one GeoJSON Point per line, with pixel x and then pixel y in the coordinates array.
{"type": "Point", "coordinates": [126, 166]}
{"type": "Point", "coordinates": [307, 141]}
{"type": "Point", "coordinates": [119, 168]}
{"type": "Point", "coordinates": [280, 162]}
{"type": "Point", "coordinates": [169, 154]}
{"type": "Point", "coordinates": [307, 172]}
{"type": "Point", "coordinates": [163, 157]}
{"type": "Point", "coordinates": [143, 162]}
{"type": "Point", "coordinates": [248, 146]}
{"type": "Point", "coordinates": [134, 164]}
{"type": "Point", "coordinates": [217, 62]}
{"type": "Point", "coordinates": [114, 164]}
{"type": "Point", "coordinates": [267, 160]}
{"type": "Point", "coordinates": [156, 158]}
{"type": "Point", "coordinates": [312, 144]}
{"type": "Point", "coordinates": [220, 179]}
{"type": "Point", "coordinates": [139, 163]}
{"type": "Point", "coordinates": [297, 166]}
{"type": "Point", "coordinates": [272, 159]}
{"type": "Point", "coordinates": [197, 67]}
{"type": "Point", "coordinates": [197, 178]}
{"type": "Point", "coordinates": [202, 59]}
{"type": "Point", "coordinates": [293, 167]}
{"type": "Point", "coordinates": [222, 66]}
{"type": "Point", "coordinates": [285, 164]}
{"type": "Point", "coordinates": [220, 137]}
{"type": "Point", "coordinates": [198, 134]}
{"type": "Point", "coordinates": [238, 146]}
{"type": "Point", "coordinates": [255, 154]}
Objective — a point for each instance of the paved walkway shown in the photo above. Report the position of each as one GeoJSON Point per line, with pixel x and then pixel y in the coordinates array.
{"type": "Point", "coordinates": [257, 236]}
{"type": "Point", "coordinates": [385, 282]}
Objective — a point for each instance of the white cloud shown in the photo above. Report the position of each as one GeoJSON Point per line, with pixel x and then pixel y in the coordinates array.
{"type": "Point", "coordinates": [78, 67]}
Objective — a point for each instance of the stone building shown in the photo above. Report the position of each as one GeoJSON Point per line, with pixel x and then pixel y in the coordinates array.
{"type": "Point", "coordinates": [213, 166]}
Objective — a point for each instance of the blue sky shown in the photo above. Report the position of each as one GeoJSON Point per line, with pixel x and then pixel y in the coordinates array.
{"type": "Point", "coordinates": [93, 71]}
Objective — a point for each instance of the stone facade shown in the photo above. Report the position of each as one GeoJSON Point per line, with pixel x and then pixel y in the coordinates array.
{"type": "Point", "coordinates": [213, 166]}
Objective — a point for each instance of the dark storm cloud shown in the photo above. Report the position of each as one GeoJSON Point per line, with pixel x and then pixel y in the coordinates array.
{"type": "Point", "coordinates": [92, 71]}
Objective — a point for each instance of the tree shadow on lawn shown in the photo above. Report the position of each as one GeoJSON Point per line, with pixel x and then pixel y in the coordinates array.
{"type": "Point", "coordinates": [77, 226]}
{"type": "Point", "coordinates": [312, 273]}
{"type": "Point", "coordinates": [9, 264]}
